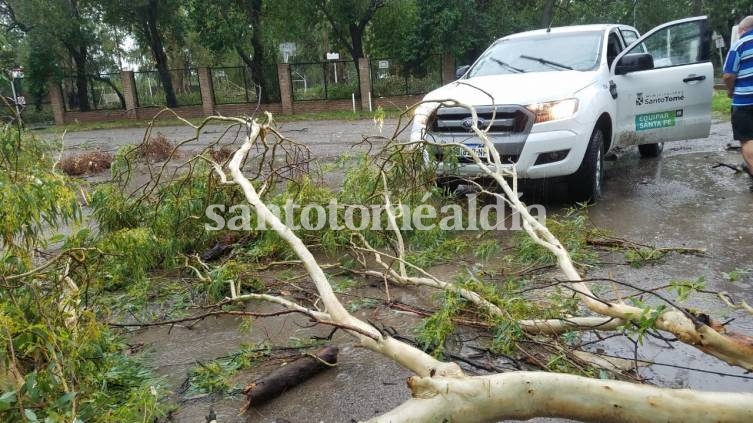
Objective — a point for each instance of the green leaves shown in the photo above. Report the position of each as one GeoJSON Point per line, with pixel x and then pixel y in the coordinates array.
{"type": "Point", "coordinates": [7, 399]}
{"type": "Point", "coordinates": [33, 196]}
{"type": "Point", "coordinates": [683, 288]}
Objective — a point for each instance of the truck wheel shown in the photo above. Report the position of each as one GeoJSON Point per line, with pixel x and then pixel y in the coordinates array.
{"type": "Point", "coordinates": [585, 184]}
{"type": "Point", "coordinates": [651, 150]}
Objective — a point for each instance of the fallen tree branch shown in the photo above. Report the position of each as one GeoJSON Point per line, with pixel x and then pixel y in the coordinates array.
{"type": "Point", "coordinates": [289, 376]}
{"type": "Point", "coordinates": [525, 395]}
{"type": "Point", "coordinates": [687, 327]}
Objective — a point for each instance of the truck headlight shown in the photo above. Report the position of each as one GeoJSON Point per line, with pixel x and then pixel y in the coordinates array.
{"type": "Point", "coordinates": [554, 110]}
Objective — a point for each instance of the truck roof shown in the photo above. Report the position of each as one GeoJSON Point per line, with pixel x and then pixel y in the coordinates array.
{"type": "Point", "coordinates": [569, 29]}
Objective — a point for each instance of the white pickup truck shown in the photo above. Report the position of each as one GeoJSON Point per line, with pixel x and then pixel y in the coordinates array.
{"type": "Point", "coordinates": [555, 101]}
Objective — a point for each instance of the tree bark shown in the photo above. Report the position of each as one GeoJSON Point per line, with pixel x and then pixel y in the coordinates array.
{"type": "Point", "coordinates": [548, 15]}
{"type": "Point", "coordinates": [77, 48]}
{"type": "Point", "coordinates": [151, 31]}
{"type": "Point", "coordinates": [107, 81]}
{"type": "Point", "coordinates": [82, 82]}
{"type": "Point", "coordinates": [254, 11]}
{"type": "Point", "coordinates": [290, 375]}
{"type": "Point", "coordinates": [697, 7]}
{"type": "Point", "coordinates": [525, 395]}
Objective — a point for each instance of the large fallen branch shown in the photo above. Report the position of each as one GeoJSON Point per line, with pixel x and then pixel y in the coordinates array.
{"type": "Point", "coordinates": [525, 395]}
{"type": "Point", "coordinates": [442, 392]}
{"type": "Point", "coordinates": [289, 375]}
{"type": "Point", "coordinates": [691, 329]}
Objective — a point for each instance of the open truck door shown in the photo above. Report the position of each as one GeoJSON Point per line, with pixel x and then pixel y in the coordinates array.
{"type": "Point", "coordinates": [664, 84]}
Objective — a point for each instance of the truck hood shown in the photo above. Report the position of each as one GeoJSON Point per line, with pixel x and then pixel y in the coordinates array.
{"type": "Point", "coordinates": [518, 88]}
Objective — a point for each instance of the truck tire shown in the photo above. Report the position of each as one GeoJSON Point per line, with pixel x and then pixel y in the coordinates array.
{"type": "Point", "coordinates": [585, 184]}
{"type": "Point", "coordinates": [448, 185]}
{"type": "Point", "coordinates": [651, 150]}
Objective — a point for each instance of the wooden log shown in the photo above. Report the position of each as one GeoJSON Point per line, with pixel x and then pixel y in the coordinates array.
{"type": "Point", "coordinates": [288, 376]}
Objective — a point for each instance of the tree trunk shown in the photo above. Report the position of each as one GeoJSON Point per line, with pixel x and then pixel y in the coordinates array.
{"type": "Point", "coordinates": [548, 16]}
{"type": "Point", "coordinates": [253, 9]}
{"type": "Point", "coordinates": [525, 395]}
{"type": "Point", "coordinates": [107, 81]}
{"type": "Point", "coordinates": [82, 83]}
{"type": "Point", "coordinates": [697, 7]}
{"type": "Point", "coordinates": [290, 375]}
{"type": "Point", "coordinates": [158, 51]}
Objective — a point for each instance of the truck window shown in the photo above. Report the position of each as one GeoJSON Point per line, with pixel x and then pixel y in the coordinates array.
{"type": "Point", "coordinates": [675, 45]}
{"type": "Point", "coordinates": [548, 52]}
{"type": "Point", "coordinates": [630, 36]}
{"type": "Point", "coordinates": [614, 47]}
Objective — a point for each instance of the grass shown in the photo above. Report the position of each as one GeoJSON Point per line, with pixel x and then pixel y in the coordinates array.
{"type": "Point", "coordinates": [720, 105]}
{"type": "Point", "coordinates": [143, 123]}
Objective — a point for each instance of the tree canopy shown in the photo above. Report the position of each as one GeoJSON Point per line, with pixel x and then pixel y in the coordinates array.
{"type": "Point", "coordinates": [75, 38]}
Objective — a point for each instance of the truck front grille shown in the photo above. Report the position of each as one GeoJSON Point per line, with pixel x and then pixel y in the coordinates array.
{"type": "Point", "coordinates": [497, 119]}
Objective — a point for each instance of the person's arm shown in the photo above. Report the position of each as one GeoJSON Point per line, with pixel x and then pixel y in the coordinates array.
{"type": "Point", "coordinates": [731, 67]}
{"type": "Point", "coordinates": [729, 81]}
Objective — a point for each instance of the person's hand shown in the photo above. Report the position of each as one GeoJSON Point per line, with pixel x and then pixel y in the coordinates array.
{"type": "Point", "coordinates": [730, 93]}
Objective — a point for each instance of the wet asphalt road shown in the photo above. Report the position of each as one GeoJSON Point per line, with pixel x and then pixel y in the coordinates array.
{"type": "Point", "coordinates": [677, 199]}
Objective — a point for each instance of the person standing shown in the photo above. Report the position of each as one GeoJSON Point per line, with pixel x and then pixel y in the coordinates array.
{"type": "Point", "coordinates": [738, 77]}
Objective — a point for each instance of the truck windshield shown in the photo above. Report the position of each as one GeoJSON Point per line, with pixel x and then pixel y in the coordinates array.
{"type": "Point", "coordinates": [541, 53]}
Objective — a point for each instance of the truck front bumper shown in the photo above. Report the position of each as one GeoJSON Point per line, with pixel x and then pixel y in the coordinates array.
{"type": "Point", "coordinates": [528, 165]}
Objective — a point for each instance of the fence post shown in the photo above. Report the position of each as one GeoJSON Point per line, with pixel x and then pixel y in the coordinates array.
{"type": "Point", "coordinates": [286, 90]}
{"type": "Point", "coordinates": [206, 87]}
{"type": "Point", "coordinates": [129, 93]}
{"type": "Point", "coordinates": [448, 68]}
{"type": "Point", "coordinates": [364, 74]}
{"type": "Point", "coordinates": [57, 103]}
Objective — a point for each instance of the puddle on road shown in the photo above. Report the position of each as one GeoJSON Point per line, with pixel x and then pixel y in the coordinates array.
{"type": "Point", "coordinates": [681, 201]}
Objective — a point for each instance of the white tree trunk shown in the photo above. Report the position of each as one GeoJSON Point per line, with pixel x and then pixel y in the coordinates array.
{"type": "Point", "coordinates": [525, 395]}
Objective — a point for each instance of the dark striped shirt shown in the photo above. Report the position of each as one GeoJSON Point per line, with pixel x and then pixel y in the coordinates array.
{"type": "Point", "coordinates": [740, 63]}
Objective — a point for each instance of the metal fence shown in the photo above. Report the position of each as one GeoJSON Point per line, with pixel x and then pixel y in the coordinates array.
{"type": "Point", "coordinates": [389, 77]}
{"type": "Point", "coordinates": [332, 80]}
{"type": "Point", "coordinates": [235, 85]}
{"type": "Point", "coordinates": [103, 92]}
{"type": "Point", "coordinates": [150, 91]}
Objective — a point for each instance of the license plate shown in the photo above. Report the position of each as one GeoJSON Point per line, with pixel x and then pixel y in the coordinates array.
{"type": "Point", "coordinates": [477, 148]}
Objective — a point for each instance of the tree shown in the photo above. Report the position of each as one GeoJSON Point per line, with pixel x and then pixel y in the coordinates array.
{"type": "Point", "coordinates": [442, 391]}
{"type": "Point", "coordinates": [349, 21]}
{"type": "Point", "coordinates": [151, 21]}
{"type": "Point", "coordinates": [59, 29]}
{"type": "Point", "coordinates": [232, 25]}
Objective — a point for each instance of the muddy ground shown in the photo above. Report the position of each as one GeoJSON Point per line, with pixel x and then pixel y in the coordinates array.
{"type": "Point", "coordinates": [675, 200]}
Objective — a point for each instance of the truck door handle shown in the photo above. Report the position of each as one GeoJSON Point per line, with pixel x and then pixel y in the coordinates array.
{"type": "Point", "coordinates": [691, 78]}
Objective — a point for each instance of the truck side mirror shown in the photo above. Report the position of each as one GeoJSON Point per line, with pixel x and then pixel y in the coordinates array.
{"type": "Point", "coordinates": [459, 72]}
{"type": "Point", "coordinates": [634, 62]}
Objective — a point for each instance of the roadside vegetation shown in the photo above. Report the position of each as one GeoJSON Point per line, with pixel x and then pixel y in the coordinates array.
{"type": "Point", "coordinates": [721, 105]}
